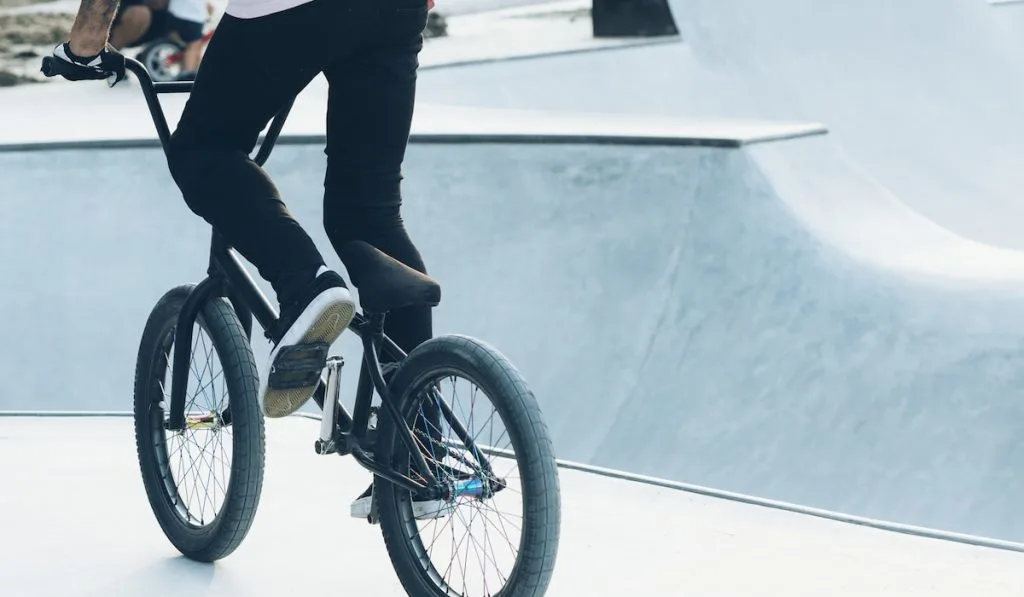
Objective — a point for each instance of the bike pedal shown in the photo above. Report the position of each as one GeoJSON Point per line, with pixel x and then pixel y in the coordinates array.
{"type": "Point", "coordinates": [298, 366]}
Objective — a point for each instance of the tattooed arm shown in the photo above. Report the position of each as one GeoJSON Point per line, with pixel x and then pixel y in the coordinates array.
{"type": "Point", "coordinates": [92, 26]}
{"type": "Point", "coordinates": [86, 54]}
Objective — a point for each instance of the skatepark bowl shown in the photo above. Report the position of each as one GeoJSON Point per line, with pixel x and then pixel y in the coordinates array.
{"type": "Point", "coordinates": [769, 365]}
{"type": "Point", "coordinates": [673, 316]}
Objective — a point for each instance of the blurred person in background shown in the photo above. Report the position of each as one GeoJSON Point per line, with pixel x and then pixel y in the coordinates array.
{"type": "Point", "coordinates": [138, 22]}
{"type": "Point", "coordinates": [185, 20]}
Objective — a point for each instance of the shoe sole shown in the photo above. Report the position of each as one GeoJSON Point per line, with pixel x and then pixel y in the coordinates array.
{"type": "Point", "coordinates": [333, 312]}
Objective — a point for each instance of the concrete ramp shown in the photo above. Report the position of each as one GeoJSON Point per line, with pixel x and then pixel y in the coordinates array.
{"type": "Point", "coordinates": [878, 382]}
{"type": "Point", "coordinates": [846, 321]}
{"type": "Point", "coordinates": [832, 321]}
{"type": "Point", "coordinates": [675, 314]}
{"type": "Point", "coordinates": [923, 94]}
{"type": "Point", "coordinates": [838, 201]}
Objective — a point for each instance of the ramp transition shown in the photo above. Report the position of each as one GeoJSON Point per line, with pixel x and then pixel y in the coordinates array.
{"type": "Point", "coordinates": [676, 317]}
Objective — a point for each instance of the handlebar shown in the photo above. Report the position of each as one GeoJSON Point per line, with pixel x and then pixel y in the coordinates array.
{"type": "Point", "coordinates": [152, 90]}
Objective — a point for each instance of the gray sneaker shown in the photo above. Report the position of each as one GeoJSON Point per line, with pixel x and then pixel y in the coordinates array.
{"type": "Point", "coordinates": [313, 323]}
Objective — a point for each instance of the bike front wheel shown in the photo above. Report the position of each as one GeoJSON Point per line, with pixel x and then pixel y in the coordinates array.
{"type": "Point", "coordinates": [203, 482]}
{"type": "Point", "coordinates": [497, 530]}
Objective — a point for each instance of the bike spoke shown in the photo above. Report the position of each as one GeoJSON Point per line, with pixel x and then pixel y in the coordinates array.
{"type": "Point", "coordinates": [199, 456]}
{"type": "Point", "coordinates": [481, 539]}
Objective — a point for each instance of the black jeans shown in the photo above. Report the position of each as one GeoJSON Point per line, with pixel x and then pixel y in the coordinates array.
{"type": "Point", "coordinates": [368, 50]}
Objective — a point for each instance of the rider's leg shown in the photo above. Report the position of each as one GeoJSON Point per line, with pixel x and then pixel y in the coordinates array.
{"type": "Point", "coordinates": [238, 90]}
{"type": "Point", "coordinates": [369, 115]}
{"type": "Point", "coordinates": [138, 22]}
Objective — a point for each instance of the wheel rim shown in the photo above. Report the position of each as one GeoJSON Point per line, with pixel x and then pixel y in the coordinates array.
{"type": "Point", "coordinates": [156, 62]}
{"type": "Point", "coordinates": [195, 463]}
{"type": "Point", "coordinates": [474, 549]}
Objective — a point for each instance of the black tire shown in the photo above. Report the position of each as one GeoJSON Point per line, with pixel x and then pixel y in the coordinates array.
{"type": "Point", "coordinates": [485, 367]}
{"type": "Point", "coordinates": [231, 524]}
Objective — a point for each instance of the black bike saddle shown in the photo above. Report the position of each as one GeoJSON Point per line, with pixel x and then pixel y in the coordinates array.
{"type": "Point", "coordinates": [384, 283]}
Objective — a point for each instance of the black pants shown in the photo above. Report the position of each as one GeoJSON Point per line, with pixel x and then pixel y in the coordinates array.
{"type": "Point", "coordinates": [368, 50]}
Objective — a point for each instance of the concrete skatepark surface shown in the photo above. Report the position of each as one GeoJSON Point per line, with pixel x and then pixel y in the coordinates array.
{"type": "Point", "coordinates": [831, 320]}
{"type": "Point", "coordinates": [920, 94]}
{"type": "Point", "coordinates": [109, 544]}
{"type": "Point", "coordinates": [673, 315]}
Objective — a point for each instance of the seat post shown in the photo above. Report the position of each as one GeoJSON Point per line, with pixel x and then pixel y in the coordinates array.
{"type": "Point", "coordinates": [218, 246]}
{"type": "Point", "coordinates": [376, 326]}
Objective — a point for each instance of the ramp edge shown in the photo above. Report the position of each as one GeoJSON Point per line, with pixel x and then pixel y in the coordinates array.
{"type": "Point", "coordinates": [666, 140]}
{"type": "Point", "coordinates": [604, 45]}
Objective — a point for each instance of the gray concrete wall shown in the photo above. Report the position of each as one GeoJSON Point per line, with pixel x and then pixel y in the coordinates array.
{"type": "Point", "coordinates": [672, 315]}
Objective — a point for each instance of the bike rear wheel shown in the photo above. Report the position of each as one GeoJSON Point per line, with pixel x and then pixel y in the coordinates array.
{"type": "Point", "coordinates": [514, 435]}
{"type": "Point", "coordinates": [224, 430]}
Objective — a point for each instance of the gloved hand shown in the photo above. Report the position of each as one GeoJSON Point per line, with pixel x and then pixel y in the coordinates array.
{"type": "Point", "coordinates": [108, 64]}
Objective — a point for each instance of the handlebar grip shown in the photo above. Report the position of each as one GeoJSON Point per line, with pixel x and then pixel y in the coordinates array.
{"type": "Point", "coordinates": [49, 69]}
{"type": "Point", "coordinates": [113, 65]}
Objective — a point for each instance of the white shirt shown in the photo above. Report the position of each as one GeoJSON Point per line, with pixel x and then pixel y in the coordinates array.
{"type": "Point", "coordinates": [250, 9]}
{"type": "Point", "coordinates": [189, 10]}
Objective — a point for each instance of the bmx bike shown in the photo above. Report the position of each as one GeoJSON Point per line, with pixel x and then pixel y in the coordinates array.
{"type": "Point", "coordinates": [452, 466]}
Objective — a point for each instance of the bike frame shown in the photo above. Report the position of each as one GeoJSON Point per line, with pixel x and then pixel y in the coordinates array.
{"type": "Point", "coordinates": [228, 278]}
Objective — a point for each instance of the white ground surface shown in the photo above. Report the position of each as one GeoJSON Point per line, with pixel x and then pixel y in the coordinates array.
{"type": "Point", "coordinates": [76, 523]}
{"type": "Point", "coordinates": [93, 111]}
{"type": "Point", "coordinates": [60, 110]}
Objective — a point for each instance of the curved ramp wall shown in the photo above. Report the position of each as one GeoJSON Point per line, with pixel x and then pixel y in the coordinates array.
{"type": "Point", "coordinates": [675, 316]}
{"type": "Point", "coordinates": [923, 95]}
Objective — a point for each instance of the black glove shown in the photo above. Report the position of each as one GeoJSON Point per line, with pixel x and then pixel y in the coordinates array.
{"type": "Point", "coordinates": [108, 64]}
